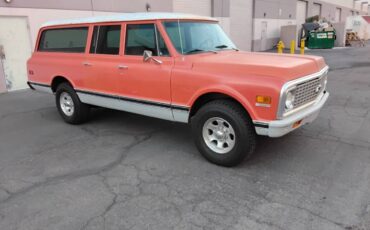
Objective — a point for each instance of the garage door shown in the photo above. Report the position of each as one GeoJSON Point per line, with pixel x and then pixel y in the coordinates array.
{"type": "Point", "coordinates": [198, 7]}
{"type": "Point", "coordinates": [301, 13]}
{"type": "Point", "coordinates": [16, 49]}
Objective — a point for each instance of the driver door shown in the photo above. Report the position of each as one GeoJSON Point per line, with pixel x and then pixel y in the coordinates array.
{"type": "Point", "coordinates": [146, 85]}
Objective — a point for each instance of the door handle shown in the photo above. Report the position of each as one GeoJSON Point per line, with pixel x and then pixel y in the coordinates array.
{"type": "Point", "coordinates": [122, 67]}
{"type": "Point", "coordinates": [86, 64]}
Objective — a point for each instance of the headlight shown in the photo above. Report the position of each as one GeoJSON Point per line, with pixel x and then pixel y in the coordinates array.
{"type": "Point", "coordinates": [289, 102]}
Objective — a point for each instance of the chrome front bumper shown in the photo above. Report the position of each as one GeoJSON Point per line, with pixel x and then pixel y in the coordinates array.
{"type": "Point", "coordinates": [278, 128]}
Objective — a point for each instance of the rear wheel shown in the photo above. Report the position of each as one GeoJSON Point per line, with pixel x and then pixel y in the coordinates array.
{"type": "Point", "coordinates": [224, 133]}
{"type": "Point", "coordinates": [72, 110]}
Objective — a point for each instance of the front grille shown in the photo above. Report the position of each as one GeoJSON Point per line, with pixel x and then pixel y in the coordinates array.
{"type": "Point", "coordinates": [308, 91]}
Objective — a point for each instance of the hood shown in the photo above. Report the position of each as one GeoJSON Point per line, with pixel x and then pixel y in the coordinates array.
{"type": "Point", "coordinates": [284, 66]}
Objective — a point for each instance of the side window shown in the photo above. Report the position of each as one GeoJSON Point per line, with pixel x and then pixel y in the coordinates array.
{"type": "Point", "coordinates": [106, 40]}
{"type": "Point", "coordinates": [67, 40]}
{"type": "Point", "coordinates": [144, 37]}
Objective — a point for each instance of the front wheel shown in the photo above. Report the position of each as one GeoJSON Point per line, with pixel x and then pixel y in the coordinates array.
{"type": "Point", "coordinates": [72, 110]}
{"type": "Point", "coordinates": [224, 133]}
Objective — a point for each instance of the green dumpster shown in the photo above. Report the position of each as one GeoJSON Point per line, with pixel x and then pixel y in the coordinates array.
{"type": "Point", "coordinates": [321, 40]}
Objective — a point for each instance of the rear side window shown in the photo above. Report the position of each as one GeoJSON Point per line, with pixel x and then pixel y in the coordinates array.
{"type": "Point", "coordinates": [141, 37]}
{"type": "Point", "coordinates": [66, 40]}
{"type": "Point", "coordinates": [106, 40]}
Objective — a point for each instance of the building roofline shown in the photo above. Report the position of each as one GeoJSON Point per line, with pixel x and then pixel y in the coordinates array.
{"type": "Point", "coordinates": [128, 17]}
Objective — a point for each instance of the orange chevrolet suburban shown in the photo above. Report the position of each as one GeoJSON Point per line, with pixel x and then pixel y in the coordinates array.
{"type": "Point", "coordinates": [180, 68]}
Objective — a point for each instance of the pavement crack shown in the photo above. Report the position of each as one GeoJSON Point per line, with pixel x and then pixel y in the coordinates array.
{"type": "Point", "coordinates": [264, 198]}
{"type": "Point", "coordinates": [138, 139]}
{"type": "Point", "coordinates": [108, 208]}
{"type": "Point", "coordinates": [6, 190]}
{"type": "Point", "coordinates": [268, 223]}
{"type": "Point", "coordinates": [314, 214]}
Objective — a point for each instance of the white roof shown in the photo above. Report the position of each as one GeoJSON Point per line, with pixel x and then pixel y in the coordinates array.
{"type": "Point", "coordinates": [128, 17]}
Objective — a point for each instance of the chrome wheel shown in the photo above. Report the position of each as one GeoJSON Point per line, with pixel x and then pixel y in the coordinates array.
{"type": "Point", "coordinates": [219, 135]}
{"type": "Point", "coordinates": [66, 104]}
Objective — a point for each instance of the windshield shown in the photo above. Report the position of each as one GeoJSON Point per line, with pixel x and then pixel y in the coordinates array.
{"type": "Point", "coordinates": [197, 37]}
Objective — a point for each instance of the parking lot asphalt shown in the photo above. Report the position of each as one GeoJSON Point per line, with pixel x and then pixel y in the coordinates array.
{"type": "Point", "coordinates": [124, 171]}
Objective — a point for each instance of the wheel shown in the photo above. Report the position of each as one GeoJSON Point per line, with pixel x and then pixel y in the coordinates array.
{"type": "Point", "coordinates": [72, 110]}
{"type": "Point", "coordinates": [224, 133]}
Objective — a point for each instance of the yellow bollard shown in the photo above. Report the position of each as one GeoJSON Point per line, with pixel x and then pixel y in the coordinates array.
{"type": "Point", "coordinates": [292, 47]}
{"type": "Point", "coordinates": [302, 46]}
{"type": "Point", "coordinates": [280, 47]}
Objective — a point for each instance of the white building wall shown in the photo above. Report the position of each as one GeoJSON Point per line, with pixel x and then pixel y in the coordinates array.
{"type": "Point", "coordinates": [198, 7]}
{"type": "Point", "coordinates": [350, 4]}
{"type": "Point", "coordinates": [273, 27]}
{"type": "Point", "coordinates": [241, 13]}
{"type": "Point", "coordinates": [344, 3]}
{"type": "Point", "coordinates": [361, 7]}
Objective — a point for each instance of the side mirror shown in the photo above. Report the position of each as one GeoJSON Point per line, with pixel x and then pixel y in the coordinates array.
{"type": "Point", "coordinates": [148, 55]}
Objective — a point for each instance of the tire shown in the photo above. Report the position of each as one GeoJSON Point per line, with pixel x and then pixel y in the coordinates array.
{"type": "Point", "coordinates": [71, 109]}
{"type": "Point", "coordinates": [223, 133]}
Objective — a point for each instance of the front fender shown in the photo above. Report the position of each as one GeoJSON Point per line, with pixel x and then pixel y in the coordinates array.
{"type": "Point", "coordinates": [228, 91]}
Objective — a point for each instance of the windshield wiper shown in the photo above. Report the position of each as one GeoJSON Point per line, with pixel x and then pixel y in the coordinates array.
{"type": "Point", "coordinates": [225, 47]}
{"type": "Point", "coordinates": [199, 50]}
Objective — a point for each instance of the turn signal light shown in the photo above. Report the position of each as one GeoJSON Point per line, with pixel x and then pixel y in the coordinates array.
{"type": "Point", "coordinates": [296, 124]}
{"type": "Point", "coordinates": [263, 101]}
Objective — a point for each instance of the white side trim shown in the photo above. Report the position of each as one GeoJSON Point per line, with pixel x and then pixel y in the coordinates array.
{"type": "Point", "coordinates": [160, 112]}
{"type": "Point", "coordinates": [180, 115]}
{"type": "Point", "coordinates": [146, 108]}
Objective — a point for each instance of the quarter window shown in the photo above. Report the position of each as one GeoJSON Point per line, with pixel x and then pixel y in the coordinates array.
{"type": "Point", "coordinates": [144, 37]}
{"type": "Point", "coordinates": [67, 40]}
{"type": "Point", "coordinates": [106, 40]}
